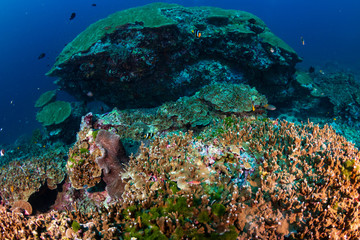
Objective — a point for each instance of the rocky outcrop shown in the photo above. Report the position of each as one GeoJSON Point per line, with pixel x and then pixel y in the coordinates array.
{"type": "Point", "coordinates": [145, 56]}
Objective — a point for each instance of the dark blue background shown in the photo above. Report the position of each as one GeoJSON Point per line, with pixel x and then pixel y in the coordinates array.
{"type": "Point", "coordinates": [330, 29]}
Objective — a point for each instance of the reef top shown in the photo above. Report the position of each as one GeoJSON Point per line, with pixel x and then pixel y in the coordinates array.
{"type": "Point", "coordinates": [152, 16]}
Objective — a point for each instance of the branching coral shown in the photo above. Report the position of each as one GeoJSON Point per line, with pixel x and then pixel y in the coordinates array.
{"type": "Point", "coordinates": [240, 178]}
{"type": "Point", "coordinates": [20, 179]}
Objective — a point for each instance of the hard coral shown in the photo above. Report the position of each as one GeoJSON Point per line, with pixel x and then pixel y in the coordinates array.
{"type": "Point", "coordinates": [241, 178]}
{"type": "Point", "coordinates": [82, 168]}
{"type": "Point", "coordinates": [21, 179]}
{"type": "Point", "coordinates": [45, 98]}
{"type": "Point", "coordinates": [112, 162]}
{"type": "Point", "coordinates": [54, 113]}
{"type": "Point", "coordinates": [149, 56]}
{"type": "Point", "coordinates": [22, 206]}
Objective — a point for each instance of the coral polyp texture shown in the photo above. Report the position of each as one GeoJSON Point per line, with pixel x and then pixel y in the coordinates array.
{"type": "Point", "coordinates": [145, 56]}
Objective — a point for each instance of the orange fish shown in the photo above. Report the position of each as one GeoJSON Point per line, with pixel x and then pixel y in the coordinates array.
{"type": "Point", "coordinates": [194, 182]}
{"type": "Point", "coordinates": [197, 33]}
{"type": "Point", "coordinates": [302, 40]}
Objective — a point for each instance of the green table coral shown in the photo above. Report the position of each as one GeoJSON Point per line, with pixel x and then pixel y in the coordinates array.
{"type": "Point", "coordinates": [54, 113]}
{"type": "Point", "coordinates": [45, 98]}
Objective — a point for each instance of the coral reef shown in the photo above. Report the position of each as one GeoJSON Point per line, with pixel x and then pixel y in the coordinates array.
{"type": "Point", "coordinates": [188, 152]}
{"type": "Point", "coordinates": [15, 225]}
{"type": "Point", "coordinates": [240, 178]}
{"type": "Point", "coordinates": [22, 178]}
{"type": "Point", "coordinates": [156, 58]}
{"type": "Point", "coordinates": [60, 119]}
{"type": "Point", "coordinates": [81, 166]}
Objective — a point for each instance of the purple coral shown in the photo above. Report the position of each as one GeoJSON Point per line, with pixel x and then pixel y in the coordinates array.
{"type": "Point", "coordinates": [111, 162]}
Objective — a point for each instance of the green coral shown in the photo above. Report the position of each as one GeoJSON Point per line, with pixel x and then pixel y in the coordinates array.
{"type": "Point", "coordinates": [275, 41]}
{"type": "Point", "coordinates": [54, 113]}
{"type": "Point", "coordinates": [231, 98]}
{"type": "Point", "coordinates": [203, 217]}
{"type": "Point", "coordinates": [218, 209]}
{"type": "Point", "coordinates": [45, 98]}
{"type": "Point", "coordinates": [149, 14]}
{"type": "Point", "coordinates": [210, 102]}
{"type": "Point", "coordinates": [75, 226]}
{"type": "Point", "coordinates": [235, 16]}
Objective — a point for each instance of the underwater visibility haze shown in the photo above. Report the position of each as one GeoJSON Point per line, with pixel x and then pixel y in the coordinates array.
{"type": "Point", "coordinates": [179, 119]}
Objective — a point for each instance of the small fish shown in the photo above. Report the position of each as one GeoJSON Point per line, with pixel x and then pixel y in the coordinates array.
{"type": "Point", "coordinates": [89, 94]}
{"type": "Point", "coordinates": [149, 135]}
{"type": "Point", "coordinates": [94, 4]}
{"type": "Point", "coordinates": [311, 69]}
{"type": "Point", "coordinates": [253, 107]}
{"type": "Point", "coordinates": [321, 72]}
{"type": "Point", "coordinates": [72, 16]}
{"type": "Point", "coordinates": [1, 129]}
{"type": "Point", "coordinates": [269, 107]}
{"type": "Point", "coordinates": [196, 33]}
{"type": "Point", "coordinates": [41, 56]}
{"type": "Point", "coordinates": [272, 50]}
{"type": "Point", "coordinates": [2, 152]}
{"type": "Point", "coordinates": [302, 40]}
{"type": "Point", "coordinates": [194, 182]}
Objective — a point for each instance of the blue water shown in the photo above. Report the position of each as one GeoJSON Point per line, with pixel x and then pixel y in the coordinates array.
{"type": "Point", "coordinates": [330, 29]}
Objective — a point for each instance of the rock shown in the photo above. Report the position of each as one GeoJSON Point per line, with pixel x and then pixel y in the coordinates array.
{"type": "Point", "coordinates": [145, 56]}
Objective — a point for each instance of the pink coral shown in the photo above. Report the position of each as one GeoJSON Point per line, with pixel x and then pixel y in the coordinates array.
{"type": "Point", "coordinates": [111, 162]}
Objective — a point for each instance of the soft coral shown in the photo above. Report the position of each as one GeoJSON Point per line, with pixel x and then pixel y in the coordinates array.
{"type": "Point", "coordinates": [111, 162]}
